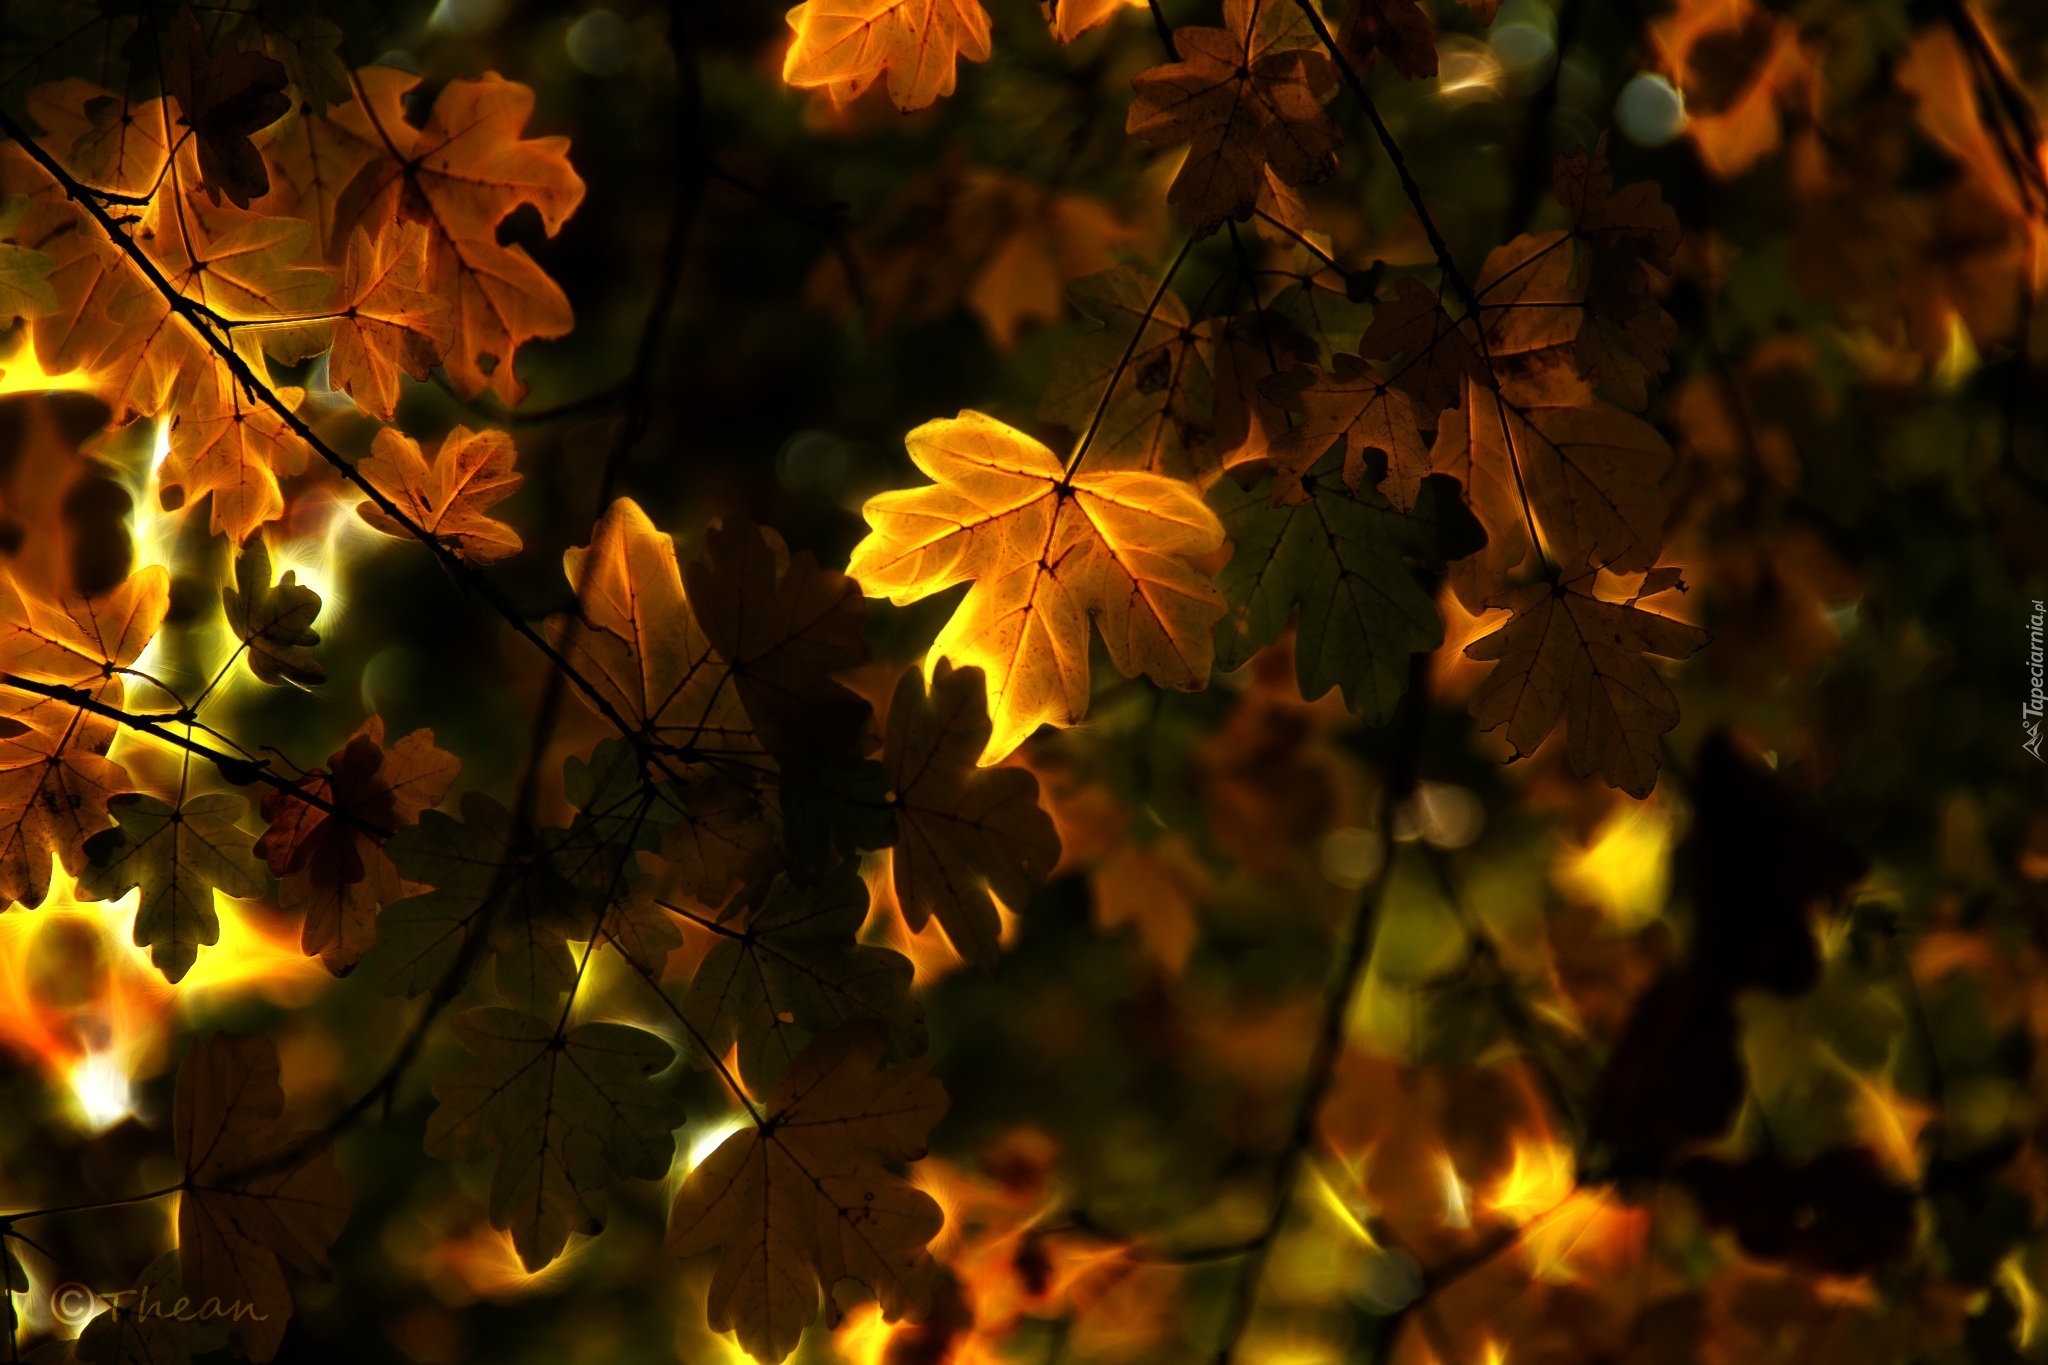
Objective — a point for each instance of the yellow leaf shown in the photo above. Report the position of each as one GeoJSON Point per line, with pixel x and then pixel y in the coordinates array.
{"type": "Point", "coordinates": [1046, 552]}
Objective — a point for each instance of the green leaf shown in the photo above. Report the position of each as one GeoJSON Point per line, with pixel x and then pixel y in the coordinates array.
{"type": "Point", "coordinates": [788, 968]}
{"type": "Point", "coordinates": [274, 620]}
{"type": "Point", "coordinates": [1342, 558]}
{"type": "Point", "coordinates": [178, 855]}
{"type": "Point", "coordinates": [562, 1111]}
{"type": "Point", "coordinates": [25, 290]}
{"type": "Point", "coordinates": [483, 880]}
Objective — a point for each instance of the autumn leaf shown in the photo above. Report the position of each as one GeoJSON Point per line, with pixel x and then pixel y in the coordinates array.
{"type": "Point", "coordinates": [331, 864]}
{"type": "Point", "coordinates": [108, 142]}
{"type": "Point", "coordinates": [1162, 415]}
{"type": "Point", "coordinates": [1342, 560]}
{"type": "Point", "coordinates": [1250, 351]}
{"type": "Point", "coordinates": [640, 642]}
{"type": "Point", "coordinates": [1398, 28]}
{"type": "Point", "coordinates": [785, 967]}
{"type": "Point", "coordinates": [55, 782]}
{"type": "Point", "coordinates": [1437, 355]}
{"type": "Point", "coordinates": [479, 873]}
{"type": "Point", "coordinates": [845, 46]}
{"type": "Point", "coordinates": [1588, 473]}
{"type": "Point", "coordinates": [782, 626]}
{"type": "Point", "coordinates": [967, 836]}
{"type": "Point", "coordinates": [462, 175]}
{"type": "Point", "coordinates": [245, 1206]}
{"type": "Point", "coordinates": [471, 472]}
{"type": "Point", "coordinates": [1568, 651]}
{"type": "Point", "coordinates": [713, 831]}
{"type": "Point", "coordinates": [25, 290]}
{"type": "Point", "coordinates": [1247, 97]}
{"type": "Point", "coordinates": [1046, 552]}
{"type": "Point", "coordinates": [179, 855]}
{"type": "Point", "coordinates": [233, 449]}
{"type": "Point", "coordinates": [806, 1199]}
{"type": "Point", "coordinates": [78, 640]}
{"type": "Point", "coordinates": [391, 323]}
{"type": "Point", "coordinates": [225, 96]}
{"type": "Point", "coordinates": [274, 621]}
{"type": "Point", "coordinates": [1353, 404]}
{"type": "Point", "coordinates": [561, 1110]}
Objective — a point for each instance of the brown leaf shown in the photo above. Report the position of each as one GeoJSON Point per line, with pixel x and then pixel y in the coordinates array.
{"type": "Point", "coordinates": [845, 46]}
{"type": "Point", "coordinates": [966, 836]}
{"type": "Point", "coordinates": [1437, 355]}
{"type": "Point", "coordinates": [1247, 96]}
{"type": "Point", "coordinates": [224, 97]}
{"type": "Point", "coordinates": [471, 472]}
{"type": "Point", "coordinates": [1567, 651]}
{"type": "Point", "coordinates": [1352, 404]}
{"type": "Point", "coordinates": [238, 1218]}
{"type": "Point", "coordinates": [1252, 348]}
{"type": "Point", "coordinates": [332, 867]}
{"type": "Point", "coordinates": [807, 1198]}
{"type": "Point", "coordinates": [782, 626]}
{"type": "Point", "coordinates": [1398, 28]}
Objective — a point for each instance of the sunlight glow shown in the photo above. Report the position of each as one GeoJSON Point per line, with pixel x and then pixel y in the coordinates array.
{"type": "Point", "coordinates": [84, 1004]}
{"type": "Point", "coordinates": [1626, 868]}
{"type": "Point", "coordinates": [22, 372]}
{"type": "Point", "coordinates": [1541, 1177]}
{"type": "Point", "coordinates": [1457, 1204]}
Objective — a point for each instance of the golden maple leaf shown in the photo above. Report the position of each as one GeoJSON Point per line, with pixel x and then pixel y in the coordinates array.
{"type": "Point", "coordinates": [462, 175]}
{"type": "Point", "coordinates": [845, 46]}
{"type": "Point", "coordinates": [470, 472]}
{"type": "Point", "coordinates": [1047, 551]}
{"type": "Point", "coordinates": [391, 323]}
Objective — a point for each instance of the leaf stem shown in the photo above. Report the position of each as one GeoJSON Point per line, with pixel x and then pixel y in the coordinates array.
{"type": "Point", "coordinates": [1123, 362]}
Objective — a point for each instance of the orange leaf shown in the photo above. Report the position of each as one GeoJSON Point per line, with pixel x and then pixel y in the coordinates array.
{"type": "Point", "coordinates": [233, 448]}
{"type": "Point", "coordinates": [1046, 552]}
{"type": "Point", "coordinates": [471, 472]}
{"type": "Point", "coordinates": [392, 323]}
{"type": "Point", "coordinates": [845, 46]}
{"type": "Point", "coordinates": [1247, 97]}
{"type": "Point", "coordinates": [462, 175]}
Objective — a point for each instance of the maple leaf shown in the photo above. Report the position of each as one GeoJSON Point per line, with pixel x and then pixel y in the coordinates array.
{"type": "Point", "coordinates": [640, 643]}
{"type": "Point", "coordinates": [1631, 236]}
{"type": "Point", "coordinates": [1342, 558]}
{"type": "Point", "coordinates": [845, 46]}
{"type": "Point", "coordinates": [25, 290]}
{"type": "Point", "coordinates": [1398, 28]}
{"type": "Point", "coordinates": [1590, 474]}
{"type": "Point", "coordinates": [331, 865]}
{"type": "Point", "coordinates": [714, 832]}
{"type": "Point", "coordinates": [1567, 651]}
{"type": "Point", "coordinates": [1438, 356]}
{"type": "Point", "coordinates": [1353, 404]}
{"type": "Point", "coordinates": [244, 1207]}
{"type": "Point", "coordinates": [1248, 97]}
{"type": "Point", "coordinates": [103, 139]}
{"type": "Point", "coordinates": [179, 855]}
{"type": "Point", "coordinates": [233, 449]}
{"type": "Point", "coordinates": [274, 621]}
{"type": "Point", "coordinates": [472, 871]}
{"type": "Point", "coordinates": [470, 473]}
{"type": "Point", "coordinates": [782, 625]}
{"type": "Point", "coordinates": [786, 967]}
{"type": "Point", "coordinates": [1046, 552]}
{"type": "Point", "coordinates": [76, 640]}
{"type": "Point", "coordinates": [391, 323]}
{"type": "Point", "coordinates": [560, 1109]}
{"type": "Point", "coordinates": [806, 1198]}
{"type": "Point", "coordinates": [1161, 417]}
{"type": "Point", "coordinates": [966, 836]}
{"type": "Point", "coordinates": [462, 175]}
{"type": "Point", "coordinates": [1249, 351]}
{"type": "Point", "coordinates": [225, 96]}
